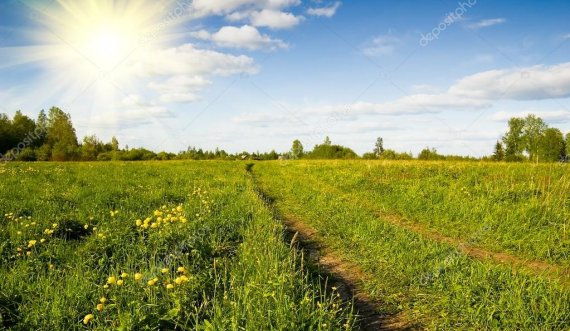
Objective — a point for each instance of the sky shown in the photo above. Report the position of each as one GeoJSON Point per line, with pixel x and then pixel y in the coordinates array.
{"type": "Point", "coordinates": [255, 75]}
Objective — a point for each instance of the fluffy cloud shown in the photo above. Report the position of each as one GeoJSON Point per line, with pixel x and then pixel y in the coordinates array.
{"type": "Point", "coordinates": [189, 60]}
{"type": "Point", "coordinates": [533, 83]}
{"type": "Point", "coordinates": [179, 89]}
{"type": "Point", "coordinates": [243, 37]}
{"type": "Point", "coordinates": [274, 19]}
{"type": "Point", "coordinates": [487, 23]}
{"type": "Point", "coordinates": [328, 11]}
{"type": "Point", "coordinates": [260, 13]}
{"type": "Point", "coordinates": [134, 111]}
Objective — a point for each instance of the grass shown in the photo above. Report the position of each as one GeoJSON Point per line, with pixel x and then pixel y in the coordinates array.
{"type": "Point", "coordinates": [149, 246]}
{"type": "Point", "coordinates": [426, 280]}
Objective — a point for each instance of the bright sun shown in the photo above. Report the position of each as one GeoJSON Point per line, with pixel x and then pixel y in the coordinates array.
{"type": "Point", "coordinates": [96, 45]}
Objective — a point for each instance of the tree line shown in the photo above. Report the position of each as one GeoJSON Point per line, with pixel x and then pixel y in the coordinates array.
{"type": "Point", "coordinates": [52, 137]}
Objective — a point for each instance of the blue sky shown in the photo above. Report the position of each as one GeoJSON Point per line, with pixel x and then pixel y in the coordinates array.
{"type": "Point", "coordinates": [254, 75]}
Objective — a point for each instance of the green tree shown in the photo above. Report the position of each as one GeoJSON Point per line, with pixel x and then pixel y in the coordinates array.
{"type": "Point", "coordinates": [513, 140]}
{"type": "Point", "coordinates": [428, 154]}
{"type": "Point", "coordinates": [567, 142]}
{"type": "Point", "coordinates": [533, 131]}
{"type": "Point", "coordinates": [327, 141]}
{"type": "Point", "coordinates": [379, 147]}
{"type": "Point", "coordinates": [114, 144]}
{"type": "Point", "coordinates": [499, 153]}
{"type": "Point", "coordinates": [7, 140]}
{"type": "Point", "coordinates": [61, 137]}
{"type": "Point", "coordinates": [297, 149]}
{"type": "Point", "coordinates": [91, 148]}
{"type": "Point", "coordinates": [552, 146]}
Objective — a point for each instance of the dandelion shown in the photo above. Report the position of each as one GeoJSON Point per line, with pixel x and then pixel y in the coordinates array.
{"type": "Point", "coordinates": [138, 222]}
{"type": "Point", "coordinates": [103, 300]}
{"type": "Point", "coordinates": [111, 280]}
{"type": "Point", "coordinates": [86, 226]}
{"type": "Point", "coordinates": [120, 282]}
{"type": "Point", "coordinates": [124, 275]}
{"type": "Point", "coordinates": [138, 276]}
{"type": "Point", "coordinates": [164, 270]}
{"type": "Point", "coordinates": [181, 270]}
{"type": "Point", "coordinates": [88, 318]}
{"type": "Point", "coordinates": [100, 307]}
{"type": "Point", "coordinates": [32, 243]}
{"type": "Point", "coordinates": [151, 282]}
{"type": "Point", "coordinates": [42, 240]}
{"type": "Point", "coordinates": [179, 209]}
{"type": "Point", "coordinates": [169, 287]}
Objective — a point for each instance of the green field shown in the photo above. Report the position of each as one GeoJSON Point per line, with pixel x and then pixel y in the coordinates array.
{"type": "Point", "coordinates": [202, 245]}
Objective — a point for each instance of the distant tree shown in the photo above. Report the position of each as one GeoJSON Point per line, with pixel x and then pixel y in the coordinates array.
{"type": "Point", "coordinates": [327, 141]}
{"type": "Point", "coordinates": [7, 140]}
{"type": "Point", "coordinates": [552, 147]}
{"type": "Point", "coordinates": [114, 144]}
{"type": "Point", "coordinates": [23, 128]}
{"type": "Point", "coordinates": [297, 150]}
{"type": "Point", "coordinates": [325, 151]}
{"type": "Point", "coordinates": [533, 131]}
{"type": "Point", "coordinates": [369, 156]}
{"type": "Point", "coordinates": [428, 154]}
{"type": "Point", "coordinates": [61, 135]}
{"type": "Point", "coordinates": [513, 140]}
{"type": "Point", "coordinates": [91, 148]}
{"type": "Point", "coordinates": [567, 143]}
{"type": "Point", "coordinates": [499, 153]}
{"type": "Point", "coordinates": [379, 147]}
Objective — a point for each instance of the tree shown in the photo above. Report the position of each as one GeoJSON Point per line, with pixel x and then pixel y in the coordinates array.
{"type": "Point", "coordinates": [379, 147]}
{"type": "Point", "coordinates": [430, 155]}
{"type": "Point", "coordinates": [552, 146]}
{"type": "Point", "coordinates": [567, 145]}
{"type": "Point", "coordinates": [327, 141]}
{"type": "Point", "coordinates": [533, 131]}
{"type": "Point", "coordinates": [91, 148]}
{"type": "Point", "coordinates": [41, 129]}
{"type": "Point", "coordinates": [23, 128]}
{"type": "Point", "coordinates": [499, 154]}
{"type": "Point", "coordinates": [6, 136]}
{"type": "Point", "coordinates": [513, 140]}
{"type": "Point", "coordinates": [61, 135]}
{"type": "Point", "coordinates": [297, 150]}
{"type": "Point", "coordinates": [114, 144]}
{"type": "Point", "coordinates": [325, 151]}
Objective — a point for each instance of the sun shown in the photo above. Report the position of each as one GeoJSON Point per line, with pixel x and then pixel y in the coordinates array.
{"type": "Point", "coordinates": [90, 50]}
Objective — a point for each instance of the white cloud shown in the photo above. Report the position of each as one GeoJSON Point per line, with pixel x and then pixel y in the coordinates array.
{"type": "Point", "coordinates": [210, 7]}
{"type": "Point", "coordinates": [487, 23]}
{"type": "Point", "coordinates": [556, 116]}
{"type": "Point", "coordinates": [381, 45]}
{"type": "Point", "coordinates": [134, 111]}
{"type": "Point", "coordinates": [243, 37]}
{"type": "Point", "coordinates": [179, 89]}
{"type": "Point", "coordinates": [274, 19]}
{"type": "Point", "coordinates": [191, 61]}
{"type": "Point", "coordinates": [328, 11]}
{"type": "Point", "coordinates": [533, 83]}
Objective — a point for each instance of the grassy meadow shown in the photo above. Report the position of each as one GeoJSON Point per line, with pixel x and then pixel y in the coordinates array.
{"type": "Point", "coordinates": [190, 245]}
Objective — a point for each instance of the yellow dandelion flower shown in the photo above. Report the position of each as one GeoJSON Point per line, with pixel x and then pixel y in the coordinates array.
{"type": "Point", "coordinates": [151, 282]}
{"type": "Point", "coordinates": [86, 226]}
{"type": "Point", "coordinates": [88, 318]}
{"type": "Point", "coordinates": [120, 282]}
{"type": "Point", "coordinates": [181, 270]}
{"type": "Point", "coordinates": [32, 243]}
{"type": "Point", "coordinates": [178, 280]}
{"type": "Point", "coordinates": [124, 275]}
{"type": "Point", "coordinates": [103, 300]}
{"type": "Point", "coordinates": [138, 222]}
{"type": "Point", "coordinates": [28, 253]}
{"type": "Point", "coordinates": [164, 270]}
{"type": "Point", "coordinates": [138, 276]}
{"type": "Point", "coordinates": [100, 307]}
{"type": "Point", "coordinates": [179, 209]}
{"type": "Point", "coordinates": [111, 280]}
{"type": "Point", "coordinates": [105, 286]}
{"type": "Point", "coordinates": [42, 240]}
{"type": "Point", "coordinates": [169, 287]}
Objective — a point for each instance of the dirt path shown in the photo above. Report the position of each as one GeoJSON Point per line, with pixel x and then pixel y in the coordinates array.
{"type": "Point", "coordinates": [345, 276]}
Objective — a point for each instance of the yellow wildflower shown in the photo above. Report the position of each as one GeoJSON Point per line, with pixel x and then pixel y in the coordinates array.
{"type": "Point", "coordinates": [88, 318]}
{"type": "Point", "coordinates": [124, 275]}
{"type": "Point", "coordinates": [103, 300]}
{"type": "Point", "coordinates": [32, 243]}
{"type": "Point", "coordinates": [164, 270]}
{"type": "Point", "coordinates": [181, 270]}
{"type": "Point", "coordinates": [138, 222]}
{"type": "Point", "coordinates": [138, 276]}
{"type": "Point", "coordinates": [120, 282]}
{"type": "Point", "coordinates": [100, 307]}
{"type": "Point", "coordinates": [151, 282]}
{"type": "Point", "coordinates": [111, 280]}
{"type": "Point", "coordinates": [169, 287]}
